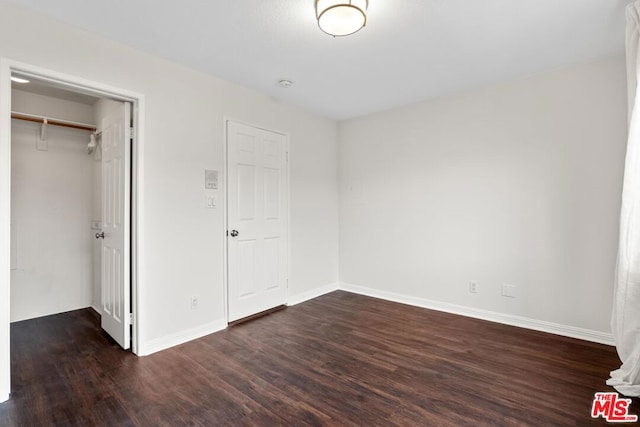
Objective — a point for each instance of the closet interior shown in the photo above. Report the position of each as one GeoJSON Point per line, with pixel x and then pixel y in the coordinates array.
{"type": "Point", "coordinates": [55, 199]}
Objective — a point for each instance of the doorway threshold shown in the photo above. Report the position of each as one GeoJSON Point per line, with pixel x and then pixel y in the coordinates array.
{"type": "Point", "coordinates": [257, 315]}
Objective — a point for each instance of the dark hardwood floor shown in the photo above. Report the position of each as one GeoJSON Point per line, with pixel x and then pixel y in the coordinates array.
{"type": "Point", "coordinates": [341, 359]}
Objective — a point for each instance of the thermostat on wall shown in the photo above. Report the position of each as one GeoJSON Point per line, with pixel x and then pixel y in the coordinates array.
{"type": "Point", "coordinates": [210, 179]}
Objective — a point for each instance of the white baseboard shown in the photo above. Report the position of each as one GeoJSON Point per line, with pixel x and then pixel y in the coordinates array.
{"type": "Point", "coordinates": [50, 313]}
{"type": "Point", "coordinates": [182, 337]}
{"type": "Point", "coordinates": [4, 397]}
{"type": "Point", "coordinates": [492, 316]}
{"type": "Point", "coordinates": [173, 340]}
{"type": "Point", "coordinates": [96, 309]}
{"type": "Point", "coordinates": [314, 293]}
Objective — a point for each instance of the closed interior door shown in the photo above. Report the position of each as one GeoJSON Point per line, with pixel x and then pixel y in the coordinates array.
{"type": "Point", "coordinates": [257, 203]}
{"type": "Point", "coordinates": [116, 225]}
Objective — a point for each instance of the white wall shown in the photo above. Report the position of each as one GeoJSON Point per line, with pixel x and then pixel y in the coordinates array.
{"type": "Point", "coordinates": [31, 103]}
{"type": "Point", "coordinates": [518, 183]}
{"type": "Point", "coordinates": [50, 210]}
{"type": "Point", "coordinates": [183, 241]}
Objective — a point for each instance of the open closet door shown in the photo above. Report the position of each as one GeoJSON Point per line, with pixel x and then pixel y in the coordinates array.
{"type": "Point", "coordinates": [116, 224]}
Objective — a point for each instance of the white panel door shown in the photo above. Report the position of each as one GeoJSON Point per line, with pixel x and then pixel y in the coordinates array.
{"type": "Point", "coordinates": [257, 203]}
{"type": "Point", "coordinates": [116, 161]}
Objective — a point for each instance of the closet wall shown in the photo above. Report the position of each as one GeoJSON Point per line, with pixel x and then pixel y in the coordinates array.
{"type": "Point", "coordinates": [52, 209]}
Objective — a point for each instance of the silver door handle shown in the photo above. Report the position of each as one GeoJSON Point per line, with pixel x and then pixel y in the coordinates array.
{"type": "Point", "coordinates": [100, 235]}
{"type": "Point", "coordinates": [234, 233]}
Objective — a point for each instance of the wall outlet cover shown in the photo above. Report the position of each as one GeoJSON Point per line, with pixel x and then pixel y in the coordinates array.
{"type": "Point", "coordinates": [473, 287]}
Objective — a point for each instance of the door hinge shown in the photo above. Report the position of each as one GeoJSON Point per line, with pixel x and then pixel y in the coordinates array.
{"type": "Point", "coordinates": [287, 155]}
{"type": "Point", "coordinates": [287, 283]}
{"type": "Point", "coordinates": [131, 318]}
{"type": "Point", "coordinates": [132, 132]}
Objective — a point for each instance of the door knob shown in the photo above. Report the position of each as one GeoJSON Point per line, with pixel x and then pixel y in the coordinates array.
{"type": "Point", "coordinates": [100, 235]}
{"type": "Point", "coordinates": [234, 233]}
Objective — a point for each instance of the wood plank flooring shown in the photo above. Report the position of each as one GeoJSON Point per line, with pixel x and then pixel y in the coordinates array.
{"type": "Point", "coordinates": [341, 359]}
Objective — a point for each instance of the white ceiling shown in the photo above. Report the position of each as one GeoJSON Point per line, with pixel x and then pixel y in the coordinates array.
{"type": "Point", "coordinates": [411, 50]}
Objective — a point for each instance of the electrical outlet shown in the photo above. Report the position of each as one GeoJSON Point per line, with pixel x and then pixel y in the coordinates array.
{"type": "Point", "coordinates": [473, 287]}
{"type": "Point", "coordinates": [508, 291]}
{"type": "Point", "coordinates": [194, 303]}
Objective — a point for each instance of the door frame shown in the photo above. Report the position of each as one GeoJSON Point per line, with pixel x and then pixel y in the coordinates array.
{"type": "Point", "coordinates": [78, 84]}
{"type": "Point", "coordinates": [225, 196]}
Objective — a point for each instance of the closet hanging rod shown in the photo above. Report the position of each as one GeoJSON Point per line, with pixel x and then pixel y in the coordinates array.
{"type": "Point", "coordinates": [53, 122]}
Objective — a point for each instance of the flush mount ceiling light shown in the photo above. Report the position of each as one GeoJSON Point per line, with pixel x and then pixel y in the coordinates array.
{"type": "Point", "coordinates": [341, 17]}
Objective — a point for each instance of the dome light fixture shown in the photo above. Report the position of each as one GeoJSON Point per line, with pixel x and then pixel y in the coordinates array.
{"type": "Point", "coordinates": [341, 17]}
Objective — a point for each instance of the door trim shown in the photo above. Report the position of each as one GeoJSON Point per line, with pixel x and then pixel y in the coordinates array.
{"type": "Point", "coordinates": [225, 217]}
{"type": "Point", "coordinates": [79, 84]}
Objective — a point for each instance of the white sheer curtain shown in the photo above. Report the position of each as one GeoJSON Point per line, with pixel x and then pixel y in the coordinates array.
{"type": "Point", "coordinates": [625, 321]}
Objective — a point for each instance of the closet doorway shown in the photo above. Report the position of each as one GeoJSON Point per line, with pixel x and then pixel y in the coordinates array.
{"type": "Point", "coordinates": [70, 175]}
{"type": "Point", "coordinates": [56, 218]}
